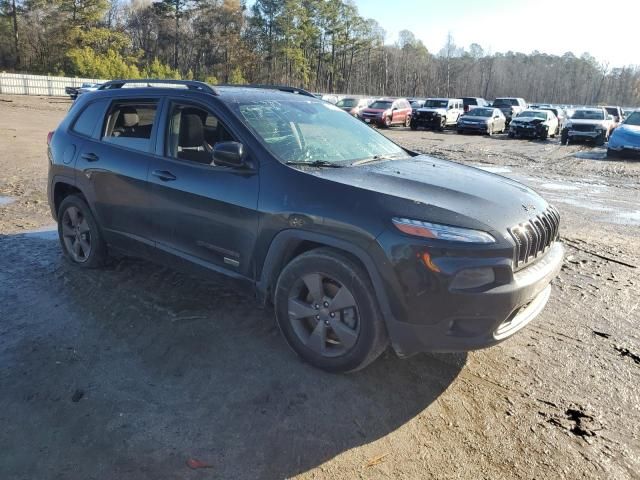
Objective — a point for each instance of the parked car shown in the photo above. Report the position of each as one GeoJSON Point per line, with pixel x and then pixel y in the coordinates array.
{"type": "Point", "coordinates": [353, 105]}
{"type": "Point", "coordinates": [437, 113]}
{"type": "Point", "coordinates": [386, 112]}
{"type": "Point", "coordinates": [534, 124]}
{"type": "Point", "coordinates": [416, 103]}
{"type": "Point", "coordinates": [559, 113]}
{"type": "Point", "coordinates": [74, 92]}
{"type": "Point", "coordinates": [510, 106]}
{"type": "Point", "coordinates": [482, 120]}
{"type": "Point", "coordinates": [626, 138]}
{"type": "Point", "coordinates": [252, 184]}
{"type": "Point", "coordinates": [617, 113]}
{"type": "Point", "coordinates": [588, 123]}
{"type": "Point", "coordinates": [469, 103]}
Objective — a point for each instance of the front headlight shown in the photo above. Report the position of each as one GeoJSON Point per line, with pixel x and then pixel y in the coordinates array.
{"type": "Point", "coordinates": [568, 125]}
{"type": "Point", "coordinates": [418, 228]}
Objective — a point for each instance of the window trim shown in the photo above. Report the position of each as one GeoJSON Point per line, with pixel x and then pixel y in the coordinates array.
{"type": "Point", "coordinates": [163, 139]}
{"type": "Point", "coordinates": [72, 127]}
{"type": "Point", "coordinates": [157, 100]}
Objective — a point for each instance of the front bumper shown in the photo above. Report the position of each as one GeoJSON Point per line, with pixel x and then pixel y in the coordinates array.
{"type": "Point", "coordinates": [378, 120]}
{"type": "Point", "coordinates": [531, 131]}
{"type": "Point", "coordinates": [473, 320]}
{"type": "Point", "coordinates": [590, 135]}
{"type": "Point", "coordinates": [427, 121]}
{"type": "Point", "coordinates": [473, 127]}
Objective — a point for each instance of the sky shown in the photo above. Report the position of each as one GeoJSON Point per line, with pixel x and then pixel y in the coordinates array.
{"type": "Point", "coordinates": [608, 30]}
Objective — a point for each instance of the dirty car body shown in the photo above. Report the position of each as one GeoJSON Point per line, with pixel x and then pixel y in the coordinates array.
{"type": "Point", "coordinates": [448, 257]}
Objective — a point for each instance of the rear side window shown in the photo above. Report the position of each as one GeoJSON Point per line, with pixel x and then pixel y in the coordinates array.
{"type": "Point", "coordinates": [129, 124]}
{"type": "Point", "coordinates": [88, 119]}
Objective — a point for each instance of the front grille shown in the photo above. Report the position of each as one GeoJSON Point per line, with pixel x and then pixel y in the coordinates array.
{"type": "Point", "coordinates": [427, 115]}
{"type": "Point", "coordinates": [535, 236]}
{"type": "Point", "coordinates": [583, 128]}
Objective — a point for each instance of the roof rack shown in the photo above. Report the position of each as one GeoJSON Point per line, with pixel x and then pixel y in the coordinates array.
{"type": "Point", "coordinates": [282, 88]}
{"type": "Point", "coordinates": [190, 84]}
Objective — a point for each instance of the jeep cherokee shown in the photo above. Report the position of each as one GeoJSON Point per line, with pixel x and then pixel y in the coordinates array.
{"type": "Point", "coordinates": [357, 242]}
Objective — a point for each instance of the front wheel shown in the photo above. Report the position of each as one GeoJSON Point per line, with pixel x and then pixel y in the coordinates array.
{"type": "Point", "coordinates": [407, 121]}
{"type": "Point", "coordinates": [79, 233]}
{"type": "Point", "coordinates": [387, 122]}
{"type": "Point", "coordinates": [600, 139]}
{"type": "Point", "coordinates": [327, 311]}
{"type": "Point", "coordinates": [413, 125]}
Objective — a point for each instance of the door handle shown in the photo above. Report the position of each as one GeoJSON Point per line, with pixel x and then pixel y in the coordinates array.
{"type": "Point", "coordinates": [163, 175]}
{"type": "Point", "coordinates": [90, 157]}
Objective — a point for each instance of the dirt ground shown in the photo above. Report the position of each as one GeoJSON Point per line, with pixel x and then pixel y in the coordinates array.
{"type": "Point", "coordinates": [130, 371]}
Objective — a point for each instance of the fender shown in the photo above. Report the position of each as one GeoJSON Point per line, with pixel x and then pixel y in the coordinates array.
{"type": "Point", "coordinates": [281, 244]}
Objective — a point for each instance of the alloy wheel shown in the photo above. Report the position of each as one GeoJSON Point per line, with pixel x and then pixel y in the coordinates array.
{"type": "Point", "coordinates": [76, 234]}
{"type": "Point", "coordinates": [324, 315]}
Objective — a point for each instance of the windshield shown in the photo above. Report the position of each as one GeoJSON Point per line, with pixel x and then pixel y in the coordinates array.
{"type": "Point", "coordinates": [380, 105]}
{"type": "Point", "coordinates": [505, 102]}
{"type": "Point", "coordinates": [301, 130]}
{"type": "Point", "coordinates": [416, 103]}
{"type": "Point", "coordinates": [612, 111]}
{"type": "Point", "coordinates": [436, 103]}
{"type": "Point", "coordinates": [588, 115]}
{"type": "Point", "coordinates": [480, 112]}
{"type": "Point", "coordinates": [347, 103]}
{"type": "Point", "coordinates": [634, 119]}
{"type": "Point", "coordinates": [532, 114]}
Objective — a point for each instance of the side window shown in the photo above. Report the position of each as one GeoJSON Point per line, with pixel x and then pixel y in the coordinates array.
{"type": "Point", "coordinates": [129, 124]}
{"type": "Point", "coordinates": [192, 134]}
{"type": "Point", "coordinates": [85, 124]}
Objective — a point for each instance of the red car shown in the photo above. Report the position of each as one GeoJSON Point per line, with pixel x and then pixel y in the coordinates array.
{"type": "Point", "coordinates": [385, 112]}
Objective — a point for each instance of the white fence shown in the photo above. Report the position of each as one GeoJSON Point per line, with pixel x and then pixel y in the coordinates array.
{"type": "Point", "coordinates": [19, 84]}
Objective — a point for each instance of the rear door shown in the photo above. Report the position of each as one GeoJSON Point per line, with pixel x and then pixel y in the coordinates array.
{"type": "Point", "coordinates": [202, 212]}
{"type": "Point", "coordinates": [112, 171]}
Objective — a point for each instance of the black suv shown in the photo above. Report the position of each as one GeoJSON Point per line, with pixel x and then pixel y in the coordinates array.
{"type": "Point", "coordinates": [357, 242]}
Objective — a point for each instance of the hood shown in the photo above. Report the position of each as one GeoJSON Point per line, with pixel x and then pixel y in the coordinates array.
{"type": "Point", "coordinates": [441, 111]}
{"type": "Point", "coordinates": [427, 188]}
{"type": "Point", "coordinates": [630, 130]}
{"type": "Point", "coordinates": [586, 122]}
{"type": "Point", "coordinates": [528, 120]}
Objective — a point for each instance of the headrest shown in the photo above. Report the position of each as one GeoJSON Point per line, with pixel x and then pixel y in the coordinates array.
{"type": "Point", "coordinates": [191, 131]}
{"type": "Point", "coordinates": [129, 117]}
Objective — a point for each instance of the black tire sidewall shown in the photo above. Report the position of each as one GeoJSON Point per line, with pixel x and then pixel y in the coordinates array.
{"type": "Point", "coordinates": [97, 256]}
{"type": "Point", "coordinates": [372, 336]}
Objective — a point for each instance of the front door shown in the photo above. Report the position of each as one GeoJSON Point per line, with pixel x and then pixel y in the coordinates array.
{"type": "Point", "coordinates": [202, 212]}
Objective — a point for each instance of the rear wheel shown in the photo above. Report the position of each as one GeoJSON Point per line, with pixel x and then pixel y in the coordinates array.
{"type": "Point", "coordinates": [327, 311]}
{"type": "Point", "coordinates": [79, 233]}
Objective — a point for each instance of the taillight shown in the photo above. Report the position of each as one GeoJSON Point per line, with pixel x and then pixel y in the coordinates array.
{"type": "Point", "coordinates": [49, 137]}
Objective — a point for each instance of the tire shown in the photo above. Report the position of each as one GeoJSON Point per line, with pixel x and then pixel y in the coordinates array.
{"type": "Point", "coordinates": [79, 234]}
{"type": "Point", "coordinates": [564, 138]}
{"type": "Point", "coordinates": [443, 124]}
{"type": "Point", "coordinates": [600, 139]}
{"type": "Point", "coordinates": [490, 130]}
{"type": "Point", "coordinates": [413, 125]}
{"type": "Point", "coordinates": [407, 121]}
{"type": "Point", "coordinates": [544, 134]}
{"type": "Point", "coordinates": [304, 317]}
{"type": "Point", "coordinates": [512, 135]}
{"type": "Point", "coordinates": [387, 122]}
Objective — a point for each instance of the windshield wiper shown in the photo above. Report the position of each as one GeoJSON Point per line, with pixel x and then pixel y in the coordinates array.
{"type": "Point", "coordinates": [375, 158]}
{"type": "Point", "coordinates": [314, 163]}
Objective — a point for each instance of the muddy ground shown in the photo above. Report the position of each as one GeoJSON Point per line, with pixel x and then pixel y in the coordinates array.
{"type": "Point", "coordinates": [130, 371]}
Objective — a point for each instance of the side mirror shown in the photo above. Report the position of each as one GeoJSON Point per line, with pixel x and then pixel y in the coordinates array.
{"type": "Point", "coordinates": [228, 154]}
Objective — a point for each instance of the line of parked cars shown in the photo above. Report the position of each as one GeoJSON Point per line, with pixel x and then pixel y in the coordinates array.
{"type": "Point", "coordinates": [510, 115]}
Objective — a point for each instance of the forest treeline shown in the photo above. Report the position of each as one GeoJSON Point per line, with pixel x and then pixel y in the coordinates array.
{"type": "Point", "coordinates": [321, 45]}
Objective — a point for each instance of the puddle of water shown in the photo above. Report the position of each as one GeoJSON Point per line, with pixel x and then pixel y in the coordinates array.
{"type": "Point", "coordinates": [558, 186]}
{"type": "Point", "coordinates": [592, 155]}
{"type": "Point", "coordinates": [6, 200]}
{"type": "Point", "coordinates": [628, 218]}
{"type": "Point", "coordinates": [581, 203]}
{"type": "Point", "coordinates": [489, 168]}
{"type": "Point", "coordinates": [50, 232]}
